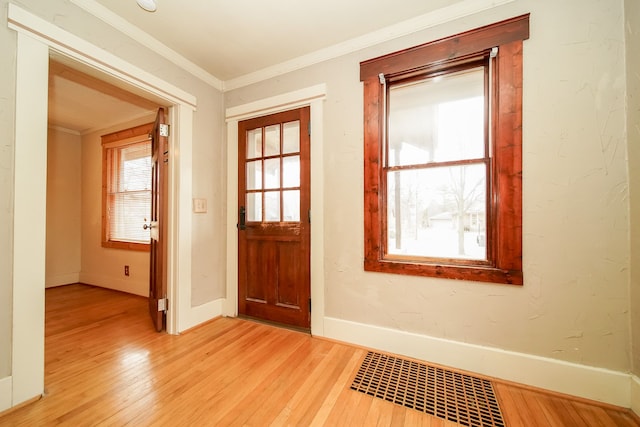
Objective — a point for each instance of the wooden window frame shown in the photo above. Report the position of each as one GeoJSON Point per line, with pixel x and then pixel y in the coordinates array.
{"type": "Point", "coordinates": [504, 191]}
{"type": "Point", "coordinates": [112, 140]}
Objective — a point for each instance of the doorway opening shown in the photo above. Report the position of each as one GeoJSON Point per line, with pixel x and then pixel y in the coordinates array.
{"type": "Point", "coordinates": [82, 108]}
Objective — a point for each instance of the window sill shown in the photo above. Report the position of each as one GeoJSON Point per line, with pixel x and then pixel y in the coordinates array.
{"type": "Point", "coordinates": [459, 272]}
{"type": "Point", "coordinates": [140, 247]}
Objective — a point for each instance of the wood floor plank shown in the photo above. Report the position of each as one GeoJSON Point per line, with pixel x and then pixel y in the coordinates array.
{"type": "Point", "coordinates": [106, 366]}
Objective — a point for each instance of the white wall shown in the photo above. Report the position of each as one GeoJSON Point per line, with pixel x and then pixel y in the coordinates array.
{"type": "Point", "coordinates": [574, 305]}
{"type": "Point", "coordinates": [105, 266]}
{"type": "Point", "coordinates": [63, 208]}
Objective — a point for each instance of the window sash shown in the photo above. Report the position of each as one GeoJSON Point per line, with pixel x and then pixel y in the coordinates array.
{"type": "Point", "coordinates": [436, 146]}
{"type": "Point", "coordinates": [127, 188]}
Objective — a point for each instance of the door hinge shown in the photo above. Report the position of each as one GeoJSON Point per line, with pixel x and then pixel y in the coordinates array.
{"type": "Point", "coordinates": [309, 305]}
{"type": "Point", "coordinates": [164, 129]}
{"type": "Point", "coordinates": [163, 304]}
{"type": "Point", "coordinates": [309, 128]}
{"type": "Point", "coordinates": [309, 216]}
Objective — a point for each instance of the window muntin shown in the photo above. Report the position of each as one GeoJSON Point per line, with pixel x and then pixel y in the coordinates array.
{"type": "Point", "coordinates": [436, 166]}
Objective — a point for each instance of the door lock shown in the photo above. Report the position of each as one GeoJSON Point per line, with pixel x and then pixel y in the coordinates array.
{"type": "Point", "coordinates": [241, 222]}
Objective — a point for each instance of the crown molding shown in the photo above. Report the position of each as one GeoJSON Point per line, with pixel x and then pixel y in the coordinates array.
{"type": "Point", "coordinates": [64, 130]}
{"type": "Point", "coordinates": [410, 26]}
{"type": "Point", "coordinates": [431, 19]}
{"type": "Point", "coordinates": [144, 38]}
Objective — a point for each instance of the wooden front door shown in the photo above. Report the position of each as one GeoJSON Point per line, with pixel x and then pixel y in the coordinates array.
{"type": "Point", "coordinates": [274, 218]}
{"type": "Point", "coordinates": [158, 223]}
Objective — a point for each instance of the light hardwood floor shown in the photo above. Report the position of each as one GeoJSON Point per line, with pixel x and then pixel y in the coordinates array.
{"type": "Point", "coordinates": [105, 365]}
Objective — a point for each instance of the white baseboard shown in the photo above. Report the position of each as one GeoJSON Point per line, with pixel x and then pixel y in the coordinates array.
{"type": "Point", "coordinates": [130, 286]}
{"type": "Point", "coordinates": [5, 393]}
{"type": "Point", "coordinates": [570, 378]}
{"type": "Point", "coordinates": [61, 279]}
{"type": "Point", "coordinates": [200, 314]}
{"type": "Point", "coordinates": [635, 394]}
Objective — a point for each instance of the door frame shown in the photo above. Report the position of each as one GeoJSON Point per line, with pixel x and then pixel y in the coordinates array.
{"type": "Point", "coordinates": [313, 97]}
{"type": "Point", "coordinates": [36, 38]}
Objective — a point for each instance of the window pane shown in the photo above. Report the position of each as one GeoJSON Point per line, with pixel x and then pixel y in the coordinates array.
{"type": "Point", "coordinates": [272, 173]}
{"type": "Point", "coordinates": [128, 186]}
{"type": "Point", "coordinates": [254, 207]}
{"type": "Point", "coordinates": [135, 170]}
{"type": "Point", "coordinates": [272, 206]}
{"type": "Point", "coordinates": [437, 212]}
{"type": "Point", "coordinates": [254, 175]}
{"type": "Point", "coordinates": [272, 140]}
{"type": "Point", "coordinates": [129, 213]}
{"type": "Point", "coordinates": [254, 143]}
{"type": "Point", "coordinates": [437, 119]}
{"type": "Point", "coordinates": [291, 140]}
{"type": "Point", "coordinates": [291, 201]}
{"type": "Point", "coordinates": [291, 171]}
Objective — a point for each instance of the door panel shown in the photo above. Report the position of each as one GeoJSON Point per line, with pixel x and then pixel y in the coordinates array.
{"type": "Point", "coordinates": [158, 223]}
{"type": "Point", "coordinates": [274, 229]}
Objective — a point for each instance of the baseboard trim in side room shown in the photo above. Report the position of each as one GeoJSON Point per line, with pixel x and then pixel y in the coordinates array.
{"type": "Point", "coordinates": [635, 394]}
{"type": "Point", "coordinates": [5, 393]}
{"type": "Point", "coordinates": [588, 382]}
{"type": "Point", "coordinates": [130, 286]}
{"type": "Point", "coordinates": [61, 280]}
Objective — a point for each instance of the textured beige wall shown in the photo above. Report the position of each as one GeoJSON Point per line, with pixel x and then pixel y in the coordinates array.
{"type": "Point", "coordinates": [574, 305]}
{"type": "Point", "coordinates": [63, 208]}
{"type": "Point", "coordinates": [632, 27]}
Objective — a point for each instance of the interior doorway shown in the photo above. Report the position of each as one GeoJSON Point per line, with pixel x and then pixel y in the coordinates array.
{"type": "Point", "coordinates": [81, 109]}
{"type": "Point", "coordinates": [36, 40]}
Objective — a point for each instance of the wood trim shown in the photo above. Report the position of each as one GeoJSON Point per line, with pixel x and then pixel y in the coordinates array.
{"type": "Point", "coordinates": [448, 48]}
{"type": "Point", "coordinates": [372, 168]}
{"type": "Point", "coordinates": [505, 186]}
{"type": "Point", "coordinates": [111, 140]}
{"type": "Point", "coordinates": [508, 157]}
{"type": "Point", "coordinates": [113, 244]}
{"type": "Point", "coordinates": [125, 134]}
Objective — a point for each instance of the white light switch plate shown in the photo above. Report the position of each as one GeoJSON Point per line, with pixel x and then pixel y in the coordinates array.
{"type": "Point", "coordinates": [199, 205]}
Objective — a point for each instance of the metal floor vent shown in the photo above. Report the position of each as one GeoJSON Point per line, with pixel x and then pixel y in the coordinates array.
{"type": "Point", "coordinates": [452, 396]}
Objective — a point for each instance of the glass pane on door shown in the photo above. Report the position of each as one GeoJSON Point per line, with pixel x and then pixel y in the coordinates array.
{"type": "Point", "coordinates": [272, 173]}
{"type": "Point", "coordinates": [254, 207]}
{"type": "Point", "coordinates": [272, 140]}
{"type": "Point", "coordinates": [272, 206]}
{"type": "Point", "coordinates": [291, 171]}
{"type": "Point", "coordinates": [254, 175]}
{"type": "Point", "coordinates": [291, 205]}
{"type": "Point", "coordinates": [291, 137]}
{"type": "Point", "coordinates": [254, 143]}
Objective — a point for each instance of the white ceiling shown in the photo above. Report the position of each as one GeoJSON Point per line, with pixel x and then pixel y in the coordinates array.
{"type": "Point", "coordinates": [221, 39]}
{"type": "Point", "coordinates": [229, 39]}
{"type": "Point", "coordinates": [80, 103]}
